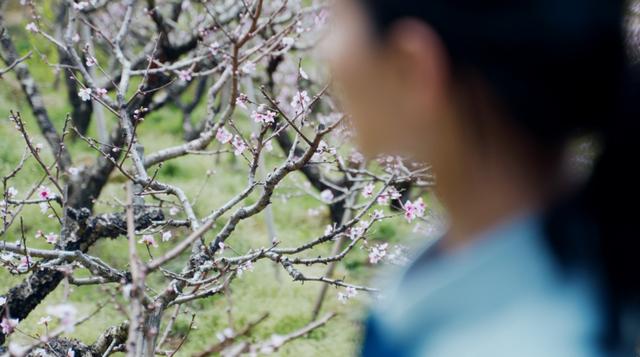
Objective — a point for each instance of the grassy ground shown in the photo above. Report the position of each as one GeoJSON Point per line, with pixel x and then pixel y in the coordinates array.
{"type": "Point", "coordinates": [289, 304]}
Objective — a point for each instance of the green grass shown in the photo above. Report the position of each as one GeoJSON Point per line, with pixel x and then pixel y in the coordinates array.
{"type": "Point", "coordinates": [289, 304]}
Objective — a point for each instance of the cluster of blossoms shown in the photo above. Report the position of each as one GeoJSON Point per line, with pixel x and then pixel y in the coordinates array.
{"type": "Point", "coordinates": [223, 136]}
{"type": "Point", "coordinates": [86, 93]}
{"type": "Point", "coordinates": [242, 100]}
{"type": "Point", "coordinates": [378, 252]}
{"type": "Point", "coordinates": [358, 230]}
{"type": "Point", "coordinates": [415, 209]}
{"type": "Point", "coordinates": [239, 145]}
{"type": "Point", "coordinates": [391, 193]}
{"type": "Point", "coordinates": [265, 117]}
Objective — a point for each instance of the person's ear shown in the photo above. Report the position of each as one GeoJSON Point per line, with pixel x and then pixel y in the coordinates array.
{"type": "Point", "coordinates": [420, 59]}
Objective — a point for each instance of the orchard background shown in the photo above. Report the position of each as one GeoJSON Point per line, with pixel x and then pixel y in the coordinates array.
{"type": "Point", "coordinates": [178, 179]}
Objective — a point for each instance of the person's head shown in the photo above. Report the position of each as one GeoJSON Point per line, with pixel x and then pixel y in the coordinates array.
{"type": "Point", "coordinates": [513, 81]}
{"type": "Point", "coordinates": [423, 77]}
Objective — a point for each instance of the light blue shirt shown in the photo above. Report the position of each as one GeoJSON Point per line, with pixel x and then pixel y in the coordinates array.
{"type": "Point", "coordinates": [501, 295]}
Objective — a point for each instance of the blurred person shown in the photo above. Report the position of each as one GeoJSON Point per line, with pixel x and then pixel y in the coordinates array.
{"type": "Point", "coordinates": [538, 261]}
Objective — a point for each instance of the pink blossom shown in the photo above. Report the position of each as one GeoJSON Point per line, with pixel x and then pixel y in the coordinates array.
{"type": "Point", "coordinates": [357, 231]}
{"type": "Point", "coordinates": [45, 193]}
{"type": "Point", "coordinates": [185, 75]}
{"type": "Point", "coordinates": [377, 214]}
{"type": "Point", "coordinates": [383, 199]}
{"type": "Point", "coordinates": [8, 325]}
{"type": "Point", "coordinates": [101, 92]}
{"type": "Point", "coordinates": [166, 236]}
{"type": "Point", "coordinates": [367, 191]}
{"type": "Point", "coordinates": [24, 264]}
{"type": "Point", "coordinates": [91, 61]}
{"type": "Point", "coordinates": [300, 101]}
{"type": "Point", "coordinates": [32, 27]}
{"type": "Point", "coordinates": [51, 238]}
{"type": "Point", "coordinates": [238, 145]}
{"type": "Point", "coordinates": [242, 101]}
{"type": "Point", "coordinates": [412, 210]}
{"type": "Point", "coordinates": [148, 240]}
{"type": "Point", "coordinates": [267, 117]}
{"type": "Point", "coordinates": [223, 136]}
{"type": "Point", "coordinates": [44, 207]}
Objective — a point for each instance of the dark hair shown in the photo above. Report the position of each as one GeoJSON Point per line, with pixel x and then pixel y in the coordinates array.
{"type": "Point", "coordinates": [559, 68]}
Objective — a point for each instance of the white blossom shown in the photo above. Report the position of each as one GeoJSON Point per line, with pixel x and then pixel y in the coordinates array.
{"type": "Point", "coordinates": [85, 94]}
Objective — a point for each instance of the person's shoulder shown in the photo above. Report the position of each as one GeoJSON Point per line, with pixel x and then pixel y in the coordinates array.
{"type": "Point", "coordinates": [503, 294]}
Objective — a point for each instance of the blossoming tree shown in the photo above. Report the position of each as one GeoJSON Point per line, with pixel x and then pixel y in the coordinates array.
{"type": "Point", "coordinates": [240, 75]}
